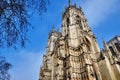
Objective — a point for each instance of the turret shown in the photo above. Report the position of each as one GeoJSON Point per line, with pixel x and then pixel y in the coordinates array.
{"type": "Point", "coordinates": [105, 45]}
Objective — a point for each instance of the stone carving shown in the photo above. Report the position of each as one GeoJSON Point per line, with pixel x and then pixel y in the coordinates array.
{"type": "Point", "coordinates": [74, 53]}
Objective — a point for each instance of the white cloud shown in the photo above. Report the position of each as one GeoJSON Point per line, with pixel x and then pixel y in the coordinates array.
{"type": "Point", "coordinates": [97, 11]}
{"type": "Point", "coordinates": [26, 65]}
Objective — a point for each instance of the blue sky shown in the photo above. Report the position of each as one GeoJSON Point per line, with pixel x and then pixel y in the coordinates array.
{"type": "Point", "coordinates": [103, 17]}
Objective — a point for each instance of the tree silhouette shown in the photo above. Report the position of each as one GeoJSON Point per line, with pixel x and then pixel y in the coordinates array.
{"type": "Point", "coordinates": [14, 15]}
{"type": "Point", "coordinates": [4, 67]}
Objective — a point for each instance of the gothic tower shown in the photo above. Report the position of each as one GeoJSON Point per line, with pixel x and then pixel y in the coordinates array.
{"type": "Point", "coordinates": [82, 49]}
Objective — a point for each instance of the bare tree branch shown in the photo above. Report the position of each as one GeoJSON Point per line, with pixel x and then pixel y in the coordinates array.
{"type": "Point", "coordinates": [4, 67]}
{"type": "Point", "coordinates": [14, 15]}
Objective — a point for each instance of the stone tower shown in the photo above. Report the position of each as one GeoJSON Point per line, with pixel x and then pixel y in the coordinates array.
{"type": "Point", "coordinates": [73, 54]}
{"type": "Point", "coordinates": [81, 46]}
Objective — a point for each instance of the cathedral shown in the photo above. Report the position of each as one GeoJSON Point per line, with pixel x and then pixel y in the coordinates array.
{"type": "Point", "coordinates": [74, 54]}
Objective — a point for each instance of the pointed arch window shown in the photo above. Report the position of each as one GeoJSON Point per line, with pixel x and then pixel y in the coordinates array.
{"type": "Point", "coordinates": [79, 22]}
{"type": "Point", "coordinates": [117, 46]}
{"type": "Point", "coordinates": [88, 45]}
{"type": "Point", "coordinates": [112, 51]}
{"type": "Point", "coordinates": [68, 22]}
{"type": "Point", "coordinates": [77, 19]}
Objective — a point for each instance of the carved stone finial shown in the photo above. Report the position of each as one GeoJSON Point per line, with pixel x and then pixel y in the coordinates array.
{"type": "Point", "coordinates": [80, 7]}
{"type": "Point", "coordinates": [105, 44]}
{"type": "Point", "coordinates": [75, 5]}
{"type": "Point", "coordinates": [62, 13]}
{"type": "Point", "coordinates": [69, 2]}
{"type": "Point", "coordinates": [53, 28]}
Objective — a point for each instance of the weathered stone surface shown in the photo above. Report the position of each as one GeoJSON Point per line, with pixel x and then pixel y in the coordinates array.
{"type": "Point", "coordinates": [74, 54]}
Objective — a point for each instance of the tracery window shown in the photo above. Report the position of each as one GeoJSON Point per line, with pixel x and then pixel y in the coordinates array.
{"type": "Point", "coordinates": [112, 51]}
{"type": "Point", "coordinates": [77, 19]}
{"type": "Point", "coordinates": [117, 46]}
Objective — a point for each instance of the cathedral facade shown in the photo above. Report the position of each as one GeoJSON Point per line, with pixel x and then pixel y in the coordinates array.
{"type": "Point", "coordinates": [74, 54]}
